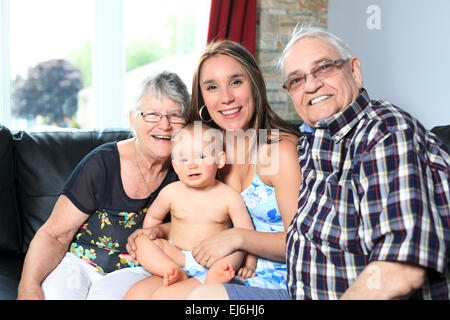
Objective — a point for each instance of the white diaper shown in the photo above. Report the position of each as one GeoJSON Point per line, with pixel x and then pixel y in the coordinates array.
{"type": "Point", "coordinates": [191, 267]}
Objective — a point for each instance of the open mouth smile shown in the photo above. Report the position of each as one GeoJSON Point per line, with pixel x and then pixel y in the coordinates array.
{"type": "Point", "coordinates": [167, 138]}
{"type": "Point", "coordinates": [318, 99]}
{"type": "Point", "coordinates": [230, 112]}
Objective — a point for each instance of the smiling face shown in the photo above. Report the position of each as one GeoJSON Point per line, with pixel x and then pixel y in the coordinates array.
{"type": "Point", "coordinates": [320, 99]}
{"type": "Point", "coordinates": [195, 158]}
{"type": "Point", "coordinates": [155, 138]}
{"type": "Point", "coordinates": [227, 92]}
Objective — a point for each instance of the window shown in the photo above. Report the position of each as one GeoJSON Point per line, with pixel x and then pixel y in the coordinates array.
{"type": "Point", "coordinates": [49, 40]}
{"type": "Point", "coordinates": [79, 63]}
{"type": "Point", "coordinates": [162, 35]}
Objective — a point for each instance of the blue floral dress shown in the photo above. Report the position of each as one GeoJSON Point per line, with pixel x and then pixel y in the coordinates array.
{"type": "Point", "coordinates": [262, 206]}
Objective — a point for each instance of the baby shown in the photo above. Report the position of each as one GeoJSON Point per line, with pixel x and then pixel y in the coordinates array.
{"type": "Point", "coordinates": [200, 206]}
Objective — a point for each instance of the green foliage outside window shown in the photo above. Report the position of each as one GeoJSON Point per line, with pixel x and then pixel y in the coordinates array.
{"type": "Point", "coordinates": [141, 53]}
{"type": "Point", "coordinates": [137, 54]}
{"type": "Point", "coordinates": [49, 91]}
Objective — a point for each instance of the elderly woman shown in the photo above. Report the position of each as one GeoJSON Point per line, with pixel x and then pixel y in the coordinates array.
{"type": "Point", "coordinates": [79, 253]}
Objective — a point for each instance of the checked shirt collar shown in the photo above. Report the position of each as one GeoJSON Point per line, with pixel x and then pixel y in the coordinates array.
{"type": "Point", "coordinates": [341, 123]}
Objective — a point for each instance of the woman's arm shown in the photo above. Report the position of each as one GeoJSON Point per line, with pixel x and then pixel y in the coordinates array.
{"type": "Point", "coordinates": [287, 180]}
{"type": "Point", "coordinates": [270, 245]}
{"type": "Point", "coordinates": [48, 247]}
{"type": "Point", "coordinates": [283, 174]}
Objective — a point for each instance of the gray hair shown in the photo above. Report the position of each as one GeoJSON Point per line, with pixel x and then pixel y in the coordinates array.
{"type": "Point", "coordinates": [165, 84]}
{"type": "Point", "coordinates": [306, 30]}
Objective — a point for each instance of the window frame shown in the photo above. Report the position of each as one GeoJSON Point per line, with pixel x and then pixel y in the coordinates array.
{"type": "Point", "coordinates": [108, 64]}
{"type": "Point", "coordinates": [5, 86]}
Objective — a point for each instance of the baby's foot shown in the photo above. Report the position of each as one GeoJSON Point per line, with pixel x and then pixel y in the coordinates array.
{"type": "Point", "coordinates": [220, 274]}
{"type": "Point", "coordinates": [173, 276]}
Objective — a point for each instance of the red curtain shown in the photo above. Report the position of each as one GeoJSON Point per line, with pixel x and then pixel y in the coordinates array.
{"type": "Point", "coordinates": [233, 20]}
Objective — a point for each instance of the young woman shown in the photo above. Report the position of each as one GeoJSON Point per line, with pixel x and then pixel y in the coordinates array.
{"type": "Point", "coordinates": [229, 93]}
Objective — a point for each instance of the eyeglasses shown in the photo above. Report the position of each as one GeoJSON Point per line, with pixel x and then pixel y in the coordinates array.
{"type": "Point", "coordinates": [155, 117]}
{"type": "Point", "coordinates": [319, 72]}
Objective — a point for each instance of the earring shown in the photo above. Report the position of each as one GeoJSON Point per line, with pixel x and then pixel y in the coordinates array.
{"type": "Point", "coordinates": [200, 114]}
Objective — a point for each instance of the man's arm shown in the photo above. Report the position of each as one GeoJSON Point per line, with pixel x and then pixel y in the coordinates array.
{"type": "Point", "coordinates": [386, 280]}
{"type": "Point", "coordinates": [392, 171]}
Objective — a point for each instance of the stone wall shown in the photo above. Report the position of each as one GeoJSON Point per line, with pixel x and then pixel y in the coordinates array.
{"type": "Point", "coordinates": [276, 20]}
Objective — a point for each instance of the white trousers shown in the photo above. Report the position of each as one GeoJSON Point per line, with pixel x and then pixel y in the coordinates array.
{"type": "Point", "coordinates": [74, 279]}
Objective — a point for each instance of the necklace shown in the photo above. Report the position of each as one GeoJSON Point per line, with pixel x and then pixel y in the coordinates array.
{"type": "Point", "coordinates": [139, 168]}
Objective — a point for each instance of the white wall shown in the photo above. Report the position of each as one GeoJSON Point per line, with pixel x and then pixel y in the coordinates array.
{"type": "Point", "coordinates": [404, 49]}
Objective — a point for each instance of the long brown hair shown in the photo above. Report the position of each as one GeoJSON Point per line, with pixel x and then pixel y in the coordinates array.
{"type": "Point", "coordinates": [264, 117]}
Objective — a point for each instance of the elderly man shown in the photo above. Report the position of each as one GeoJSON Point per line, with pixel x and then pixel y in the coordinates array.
{"type": "Point", "coordinates": [373, 219]}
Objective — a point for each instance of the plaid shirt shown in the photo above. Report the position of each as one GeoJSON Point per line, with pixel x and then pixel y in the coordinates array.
{"type": "Point", "coordinates": [375, 187]}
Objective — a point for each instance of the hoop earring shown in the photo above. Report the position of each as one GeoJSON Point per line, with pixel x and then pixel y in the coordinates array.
{"type": "Point", "coordinates": [200, 114]}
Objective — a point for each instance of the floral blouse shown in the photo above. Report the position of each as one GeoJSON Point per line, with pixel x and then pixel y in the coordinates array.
{"type": "Point", "coordinates": [95, 188]}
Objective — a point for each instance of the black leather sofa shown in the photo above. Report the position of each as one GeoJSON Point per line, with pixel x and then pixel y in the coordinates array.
{"type": "Point", "coordinates": [33, 169]}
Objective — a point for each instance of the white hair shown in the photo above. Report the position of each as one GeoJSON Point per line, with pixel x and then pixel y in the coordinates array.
{"type": "Point", "coordinates": [166, 84]}
{"type": "Point", "coordinates": [308, 31]}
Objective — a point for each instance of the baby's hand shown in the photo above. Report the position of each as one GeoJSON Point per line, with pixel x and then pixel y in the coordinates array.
{"type": "Point", "coordinates": [245, 273]}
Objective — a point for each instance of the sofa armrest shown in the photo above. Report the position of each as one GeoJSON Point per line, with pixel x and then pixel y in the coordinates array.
{"type": "Point", "coordinates": [44, 161]}
{"type": "Point", "coordinates": [10, 229]}
{"type": "Point", "coordinates": [443, 133]}
{"type": "Point", "coordinates": [10, 271]}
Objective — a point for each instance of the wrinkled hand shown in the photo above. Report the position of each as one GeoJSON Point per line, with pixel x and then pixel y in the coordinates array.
{"type": "Point", "coordinates": [152, 233]}
{"type": "Point", "coordinates": [245, 273]}
{"type": "Point", "coordinates": [216, 247]}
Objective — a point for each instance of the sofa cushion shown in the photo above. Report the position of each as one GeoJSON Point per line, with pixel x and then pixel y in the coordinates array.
{"type": "Point", "coordinates": [443, 132]}
{"type": "Point", "coordinates": [10, 233]}
{"type": "Point", "coordinates": [10, 271]}
{"type": "Point", "coordinates": [44, 161]}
